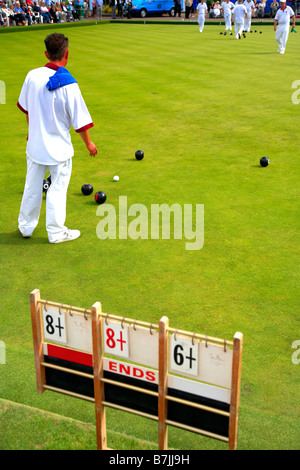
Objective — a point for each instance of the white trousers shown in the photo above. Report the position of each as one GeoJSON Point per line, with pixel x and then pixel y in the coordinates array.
{"type": "Point", "coordinates": [56, 198]}
{"type": "Point", "coordinates": [248, 23]}
{"type": "Point", "coordinates": [239, 28]}
{"type": "Point", "coordinates": [281, 36]}
{"type": "Point", "coordinates": [227, 22]}
{"type": "Point", "coordinates": [201, 21]}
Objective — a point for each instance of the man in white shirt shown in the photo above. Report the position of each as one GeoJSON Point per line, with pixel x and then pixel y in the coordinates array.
{"type": "Point", "coordinates": [202, 12]}
{"type": "Point", "coordinates": [249, 4]}
{"type": "Point", "coordinates": [240, 13]}
{"type": "Point", "coordinates": [52, 101]}
{"type": "Point", "coordinates": [282, 25]}
{"type": "Point", "coordinates": [227, 7]}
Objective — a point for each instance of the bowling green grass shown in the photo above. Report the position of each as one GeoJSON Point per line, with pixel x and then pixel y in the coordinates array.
{"type": "Point", "coordinates": [205, 109]}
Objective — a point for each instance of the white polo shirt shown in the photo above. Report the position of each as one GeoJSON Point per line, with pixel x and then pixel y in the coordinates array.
{"type": "Point", "coordinates": [283, 16]}
{"type": "Point", "coordinates": [239, 12]}
{"type": "Point", "coordinates": [227, 7]}
{"type": "Point", "coordinates": [202, 8]}
{"type": "Point", "coordinates": [51, 116]}
{"type": "Point", "coordinates": [249, 6]}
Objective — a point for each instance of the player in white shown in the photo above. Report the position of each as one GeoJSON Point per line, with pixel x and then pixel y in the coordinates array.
{"type": "Point", "coordinates": [282, 25]}
{"type": "Point", "coordinates": [202, 13]}
{"type": "Point", "coordinates": [52, 101]}
{"type": "Point", "coordinates": [240, 13]}
{"type": "Point", "coordinates": [227, 7]}
{"type": "Point", "coordinates": [249, 4]}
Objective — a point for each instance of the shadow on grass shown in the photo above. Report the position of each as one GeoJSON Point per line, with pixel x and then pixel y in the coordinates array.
{"type": "Point", "coordinates": [256, 53]}
{"type": "Point", "coordinates": [15, 238]}
{"type": "Point", "coordinates": [89, 200]}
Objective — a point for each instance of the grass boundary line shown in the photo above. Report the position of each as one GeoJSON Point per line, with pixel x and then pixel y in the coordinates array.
{"type": "Point", "coordinates": [43, 412]}
{"type": "Point", "coordinates": [38, 27]}
{"type": "Point", "coordinates": [90, 426]}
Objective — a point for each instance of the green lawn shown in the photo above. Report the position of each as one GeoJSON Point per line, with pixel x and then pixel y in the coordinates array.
{"type": "Point", "coordinates": [204, 108]}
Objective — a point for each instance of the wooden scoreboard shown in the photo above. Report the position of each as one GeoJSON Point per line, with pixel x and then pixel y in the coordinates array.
{"type": "Point", "coordinates": [177, 378]}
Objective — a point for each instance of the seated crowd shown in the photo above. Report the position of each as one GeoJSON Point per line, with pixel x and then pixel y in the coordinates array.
{"type": "Point", "coordinates": [259, 9]}
{"type": "Point", "coordinates": [47, 11]}
{"type": "Point", "coordinates": [29, 12]}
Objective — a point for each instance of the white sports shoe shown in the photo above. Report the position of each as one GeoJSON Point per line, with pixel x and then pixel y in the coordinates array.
{"type": "Point", "coordinates": [68, 236]}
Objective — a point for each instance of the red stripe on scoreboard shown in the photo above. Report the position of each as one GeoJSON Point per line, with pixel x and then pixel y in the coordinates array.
{"type": "Point", "coordinates": [70, 355]}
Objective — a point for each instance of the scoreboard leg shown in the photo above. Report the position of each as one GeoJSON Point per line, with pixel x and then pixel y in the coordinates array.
{"type": "Point", "coordinates": [235, 390]}
{"type": "Point", "coordinates": [98, 375]}
{"type": "Point", "coordinates": [37, 333]}
{"type": "Point", "coordinates": [163, 383]}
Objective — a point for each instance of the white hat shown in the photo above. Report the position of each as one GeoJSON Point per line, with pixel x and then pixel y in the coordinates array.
{"type": "Point", "coordinates": [282, 1]}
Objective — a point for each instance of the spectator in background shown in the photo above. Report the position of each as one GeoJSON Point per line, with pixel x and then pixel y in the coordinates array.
{"type": "Point", "coordinates": [113, 5]}
{"type": "Point", "coordinates": [211, 9]}
{"type": "Point", "coordinates": [19, 15]}
{"type": "Point", "coordinates": [78, 6]}
{"type": "Point", "coordinates": [86, 9]}
{"type": "Point", "coordinates": [99, 6]}
{"type": "Point", "coordinates": [128, 8]}
{"type": "Point", "coordinates": [294, 6]}
{"type": "Point", "coordinates": [27, 13]}
{"type": "Point", "coordinates": [255, 9]}
{"type": "Point", "coordinates": [273, 8]}
{"type": "Point", "coordinates": [53, 15]}
{"type": "Point", "coordinates": [1, 19]}
{"type": "Point", "coordinates": [120, 8]}
{"type": "Point", "coordinates": [194, 7]}
{"type": "Point", "coordinates": [177, 4]}
{"type": "Point", "coordinates": [59, 13]}
{"type": "Point", "coordinates": [73, 12]}
{"type": "Point", "coordinates": [261, 9]}
{"type": "Point", "coordinates": [66, 12]}
{"type": "Point", "coordinates": [217, 9]}
{"type": "Point", "coordinates": [45, 13]}
{"type": "Point", "coordinates": [188, 8]}
{"type": "Point", "coordinates": [7, 13]}
{"type": "Point", "coordinates": [36, 9]}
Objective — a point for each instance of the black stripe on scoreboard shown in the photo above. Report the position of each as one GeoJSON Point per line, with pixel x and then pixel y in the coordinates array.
{"type": "Point", "coordinates": [68, 381]}
{"type": "Point", "coordinates": [198, 418]}
{"type": "Point", "coordinates": [139, 401]}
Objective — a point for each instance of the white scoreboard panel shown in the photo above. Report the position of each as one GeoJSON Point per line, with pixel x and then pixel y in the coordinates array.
{"type": "Point", "coordinates": [135, 343]}
{"type": "Point", "coordinates": [69, 328]}
{"type": "Point", "coordinates": [200, 360]}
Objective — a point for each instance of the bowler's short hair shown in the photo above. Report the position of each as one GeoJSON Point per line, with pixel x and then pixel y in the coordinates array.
{"type": "Point", "coordinates": [56, 45]}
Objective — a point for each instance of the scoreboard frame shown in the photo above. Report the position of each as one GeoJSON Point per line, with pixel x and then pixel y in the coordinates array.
{"type": "Point", "coordinates": [91, 376]}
